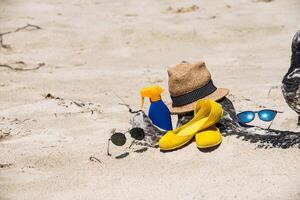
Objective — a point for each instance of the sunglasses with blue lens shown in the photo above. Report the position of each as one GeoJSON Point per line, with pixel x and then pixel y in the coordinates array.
{"type": "Point", "coordinates": [265, 115]}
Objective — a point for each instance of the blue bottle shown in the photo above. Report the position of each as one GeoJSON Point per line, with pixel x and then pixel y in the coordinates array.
{"type": "Point", "coordinates": [158, 111]}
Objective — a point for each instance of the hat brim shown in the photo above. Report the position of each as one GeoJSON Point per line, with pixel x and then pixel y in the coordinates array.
{"type": "Point", "coordinates": [216, 95]}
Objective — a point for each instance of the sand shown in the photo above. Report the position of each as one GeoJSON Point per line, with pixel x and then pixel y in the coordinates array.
{"type": "Point", "coordinates": [92, 51]}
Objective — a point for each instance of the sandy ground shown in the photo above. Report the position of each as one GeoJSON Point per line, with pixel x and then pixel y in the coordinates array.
{"type": "Point", "coordinates": [93, 50]}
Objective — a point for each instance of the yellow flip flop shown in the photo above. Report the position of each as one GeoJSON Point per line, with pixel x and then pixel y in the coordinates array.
{"type": "Point", "coordinates": [206, 114]}
{"type": "Point", "coordinates": [209, 137]}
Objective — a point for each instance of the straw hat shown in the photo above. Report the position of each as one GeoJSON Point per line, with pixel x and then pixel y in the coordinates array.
{"type": "Point", "coordinates": [188, 83]}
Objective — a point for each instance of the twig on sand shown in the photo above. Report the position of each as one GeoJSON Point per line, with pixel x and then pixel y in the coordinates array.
{"type": "Point", "coordinates": [271, 88]}
{"type": "Point", "coordinates": [79, 104]}
{"type": "Point", "coordinates": [85, 107]}
{"type": "Point", "coordinates": [32, 26]}
{"type": "Point", "coordinates": [130, 109]}
{"type": "Point", "coordinates": [29, 27]}
{"type": "Point", "coordinates": [125, 104]}
{"type": "Point", "coordinates": [94, 159]}
{"type": "Point", "coordinates": [22, 69]}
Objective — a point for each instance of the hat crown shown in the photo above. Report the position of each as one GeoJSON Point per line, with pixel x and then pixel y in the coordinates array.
{"type": "Point", "coordinates": [186, 77]}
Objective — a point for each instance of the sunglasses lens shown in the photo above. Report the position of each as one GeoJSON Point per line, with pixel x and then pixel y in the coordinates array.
{"type": "Point", "coordinates": [137, 133]}
{"type": "Point", "coordinates": [246, 117]}
{"type": "Point", "coordinates": [118, 139]}
{"type": "Point", "coordinates": [267, 115]}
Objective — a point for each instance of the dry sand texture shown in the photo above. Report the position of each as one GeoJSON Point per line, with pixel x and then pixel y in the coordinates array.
{"type": "Point", "coordinates": [89, 51]}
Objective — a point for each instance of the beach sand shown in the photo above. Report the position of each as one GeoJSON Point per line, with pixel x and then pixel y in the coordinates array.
{"type": "Point", "coordinates": [92, 51]}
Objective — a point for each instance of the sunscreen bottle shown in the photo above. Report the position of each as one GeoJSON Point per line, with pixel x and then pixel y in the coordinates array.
{"type": "Point", "coordinates": [158, 111]}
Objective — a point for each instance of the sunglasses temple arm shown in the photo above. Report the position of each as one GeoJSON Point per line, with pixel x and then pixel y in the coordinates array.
{"type": "Point", "coordinates": [108, 147]}
{"type": "Point", "coordinates": [133, 141]}
{"type": "Point", "coordinates": [273, 119]}
{"type": "Point", "coordinates": [270, 124]}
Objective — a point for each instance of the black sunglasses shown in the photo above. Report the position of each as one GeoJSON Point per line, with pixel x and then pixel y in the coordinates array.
{"type": "Point", "coordinates": [119, 139]}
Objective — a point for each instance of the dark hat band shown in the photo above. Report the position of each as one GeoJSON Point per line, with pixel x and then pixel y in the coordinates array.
{"type": "Point", "coordinates": [194, 95]}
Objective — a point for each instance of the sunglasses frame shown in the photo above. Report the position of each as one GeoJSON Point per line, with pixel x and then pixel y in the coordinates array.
{"type": "Point", "coordinates": [124, 134]}
{"type": "Point", "coordinates": [257, 112]}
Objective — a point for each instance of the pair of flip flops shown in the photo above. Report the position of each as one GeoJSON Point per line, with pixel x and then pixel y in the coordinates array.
{"type": "Point", "coordinates": [206, 114]}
